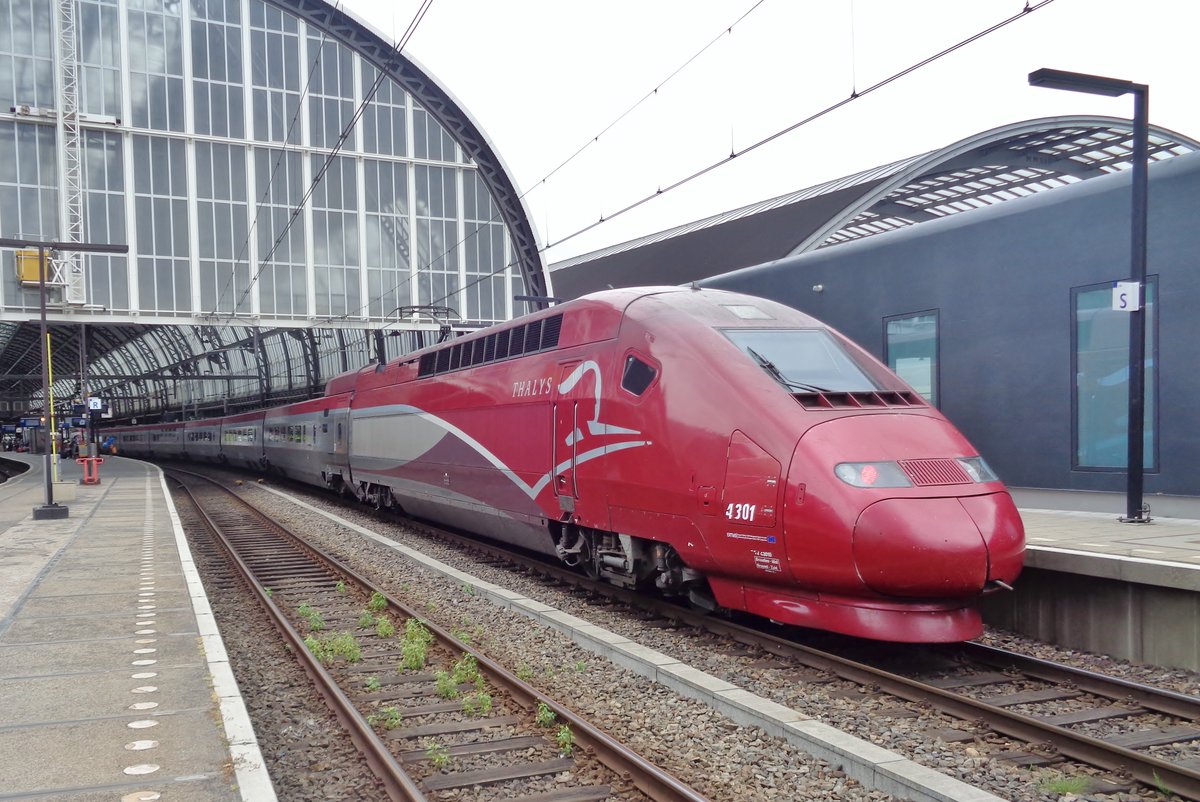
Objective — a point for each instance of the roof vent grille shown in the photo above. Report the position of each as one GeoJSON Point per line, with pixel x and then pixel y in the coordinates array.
{"type": "Point", "coordinates": [859, 400]}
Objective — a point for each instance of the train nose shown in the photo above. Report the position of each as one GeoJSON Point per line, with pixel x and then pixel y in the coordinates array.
{"type": "Point", "coordinates": [939, 547]}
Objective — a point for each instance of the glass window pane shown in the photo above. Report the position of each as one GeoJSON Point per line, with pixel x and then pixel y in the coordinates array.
{"type": "Point", "coordinates": [1102, 379]}
{"type": "Point", "coordinates": [911, 350]}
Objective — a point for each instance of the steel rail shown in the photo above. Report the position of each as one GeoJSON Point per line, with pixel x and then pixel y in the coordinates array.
{"type": "Point", "coordinates": [396, 782]}
{"type": "Point", "coordinates": [646, 776]}
{"type": "Point", "coordinates": [1151, 771]}
{"type": "Point", "coordinates": [1157, 699]}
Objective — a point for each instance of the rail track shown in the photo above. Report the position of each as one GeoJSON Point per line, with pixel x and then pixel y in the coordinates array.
{"type": "Point", "coordinates": [431, 715]}
{"type": "Point", "coordinates": [10, 468]}
{"type": "Point", "coordinates": [970, 682]}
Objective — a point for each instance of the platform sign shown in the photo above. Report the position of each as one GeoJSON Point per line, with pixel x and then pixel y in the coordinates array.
{"type": "Point", "coordinates": [95, 404]}
{"type": "Point", "coordinates": [1125, 296]}
{"type": "Point", "coordinates": [9, 428]}
{"type": "Point", "coordinates": [31, 423]}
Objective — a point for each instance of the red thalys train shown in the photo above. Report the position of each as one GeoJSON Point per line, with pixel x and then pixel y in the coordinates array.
{"type": "Point", "coordinates": [709, 444]}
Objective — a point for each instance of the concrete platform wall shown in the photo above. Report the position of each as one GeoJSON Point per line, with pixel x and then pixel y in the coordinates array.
{"type": "Point", "coordinates": [1129, 620]}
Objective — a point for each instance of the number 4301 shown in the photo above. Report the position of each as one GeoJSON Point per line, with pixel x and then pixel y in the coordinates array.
{"type": "Point", "coordinates": [740, 512]}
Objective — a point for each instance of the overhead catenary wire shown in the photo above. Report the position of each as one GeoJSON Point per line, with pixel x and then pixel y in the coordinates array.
{"type": "Point", "coordinates": [854, 95]}
{"type": "Point", "coordinates": [1026, 10]}
{"type": "Point", "coordinates": [725, 31]}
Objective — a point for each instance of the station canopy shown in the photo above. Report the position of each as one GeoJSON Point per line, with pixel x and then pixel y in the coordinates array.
{"type": "Point", "coordinates": [993, 167]}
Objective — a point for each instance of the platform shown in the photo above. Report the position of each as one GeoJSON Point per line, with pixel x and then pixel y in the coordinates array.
{"type": "Point", "coordinates": [113, 680]}
{"type": "Point", "coordinates": [1092, 582]}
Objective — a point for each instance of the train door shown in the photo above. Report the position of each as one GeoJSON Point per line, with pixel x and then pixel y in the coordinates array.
{"type": "Point", "coordinates": [571, 410]}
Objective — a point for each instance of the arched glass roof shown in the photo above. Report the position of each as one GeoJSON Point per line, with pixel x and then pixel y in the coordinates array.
{"type": "Point", "coordinates": [195, 146]}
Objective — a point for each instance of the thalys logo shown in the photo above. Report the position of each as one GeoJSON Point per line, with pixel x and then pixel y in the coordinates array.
{"type": "Point", "coordinates": [533, 387]}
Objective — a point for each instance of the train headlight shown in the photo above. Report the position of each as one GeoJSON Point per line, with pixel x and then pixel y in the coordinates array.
{"type": "Point", "coordinates": [977, 469]}
{"type": "Point", "coordinates": [872, 474]}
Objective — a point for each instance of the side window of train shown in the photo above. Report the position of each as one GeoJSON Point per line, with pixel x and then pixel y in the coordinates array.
{"type": "Point", "coordinates": [637, 374]}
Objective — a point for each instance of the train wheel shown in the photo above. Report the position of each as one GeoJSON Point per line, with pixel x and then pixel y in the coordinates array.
{"type": "Point", "coordinates": [588, 560]}
{"type": "Point", "coordinates": [700, 598]}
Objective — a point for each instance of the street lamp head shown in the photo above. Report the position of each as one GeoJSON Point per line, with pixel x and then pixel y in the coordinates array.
{"type": "Point", "coordinates": [1082, 82]}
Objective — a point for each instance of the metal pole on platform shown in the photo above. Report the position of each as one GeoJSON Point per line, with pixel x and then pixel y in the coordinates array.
{"type": "Point", "coordinates": [1135, 510]}
{"type": "Point", "coordinates": [50, 510]}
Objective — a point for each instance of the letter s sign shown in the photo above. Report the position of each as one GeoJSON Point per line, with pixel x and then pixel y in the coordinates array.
{"type": "Point", "coordinates": [1126, 296]}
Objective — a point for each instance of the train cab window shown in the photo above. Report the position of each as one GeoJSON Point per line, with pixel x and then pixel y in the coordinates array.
{"type": "Point", "coordinates": [637, 376]}
{"type": "Point", "coordinates": [804, 360]}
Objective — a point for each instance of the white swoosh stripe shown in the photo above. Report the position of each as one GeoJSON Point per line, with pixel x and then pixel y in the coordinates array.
{"type": "Point", "coordinates": [532, 492]}
{"type": "Point", "coordinates": [585, 457]}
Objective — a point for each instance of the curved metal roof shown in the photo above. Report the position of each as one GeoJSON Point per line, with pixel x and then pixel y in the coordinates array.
{"type": "Point", "coordinates": [982, 170]}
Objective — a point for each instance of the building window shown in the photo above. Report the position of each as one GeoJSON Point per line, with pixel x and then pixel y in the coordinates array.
{"type": "Point", "coordinates": [437, 236]}
{"type": "Point", "coordinates": [104, 218]}
{"type": "Point", "coordinates": [223, 236]}
{"type": "Point", "coordinates": [26, 54]}
{"type": "Point", "coordinates": [1100, 394]}
{"type": "Point", "coordinates": [275, 73]}
{"type": "Point", "coordinates": [484, 249]}
{"type": "Point", "coordinates": [384, 128]}
{"type": "Point", "coordinates": [99, 41]}
{"type": "Point", "coordinates": [330, 92]}
{"type": "Point", "coordinates": [910, 348]}
{"type": "Point", "coordinates": [156, 65]}
{"type": "Point", "coordinates": [335, 238]}
{"type": "Point", "coordinates": [161, 192]}
{"type": "Point", "coordinates": [217, 85]}
{"type": "Point", "coordinates": [282, 285]}
{"type": "Point", "coordinates": [387, 235]}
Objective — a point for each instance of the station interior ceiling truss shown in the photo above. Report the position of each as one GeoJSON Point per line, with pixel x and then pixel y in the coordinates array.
{"type": "Point", "coordinates": [165, 372]}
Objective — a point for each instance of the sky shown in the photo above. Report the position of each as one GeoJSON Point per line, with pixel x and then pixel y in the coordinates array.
{"type": "Point", "coordinates": [546, 78]}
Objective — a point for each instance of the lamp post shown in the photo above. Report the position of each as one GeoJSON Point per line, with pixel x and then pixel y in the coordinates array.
{"type": "Point", "coordinates": [50, 510]}
{"type": "Point", "coordinates": [1113, 87]}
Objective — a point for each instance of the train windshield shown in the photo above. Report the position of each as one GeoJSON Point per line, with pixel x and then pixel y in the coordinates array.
{"type": "Point", "coordinates": [804, 360]}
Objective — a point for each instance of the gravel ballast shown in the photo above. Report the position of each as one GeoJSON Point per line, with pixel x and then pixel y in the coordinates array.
{"type": "Point", "coordinates": [679, 732]}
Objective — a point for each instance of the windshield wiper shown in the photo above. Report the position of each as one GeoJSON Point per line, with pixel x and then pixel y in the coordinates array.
{"type": "Point", "coordinates": [769, 367]}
